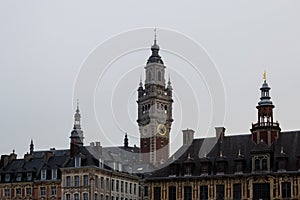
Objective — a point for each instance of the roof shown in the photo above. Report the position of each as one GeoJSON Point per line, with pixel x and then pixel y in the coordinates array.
{"type": "Point", "coordinates": [233, 148]}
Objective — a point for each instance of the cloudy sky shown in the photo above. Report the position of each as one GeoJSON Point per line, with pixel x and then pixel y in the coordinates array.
{"type": "Point", "coordinates": [46, 45]}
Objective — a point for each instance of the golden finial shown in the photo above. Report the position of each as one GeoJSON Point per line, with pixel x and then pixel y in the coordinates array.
{"type": "Point", "coordinates": [239, 154]}
{"type": "Point", "coordinates": [221, 154]}
{"type": "Point", "coordinates": [189, 156]}
{"type": "Point", "coordinates": [281, 150]}
{"type": "Point", "coordinates": [265, 75]}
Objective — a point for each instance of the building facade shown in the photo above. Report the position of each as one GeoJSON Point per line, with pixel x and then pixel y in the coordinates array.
{"type": "Point", "coordinates": [262, 165]}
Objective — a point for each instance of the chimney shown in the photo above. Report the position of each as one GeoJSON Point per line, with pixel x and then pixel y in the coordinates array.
{"type": "Point", "coordinates": [4, 160]}
{"type": "Point", "coordinates": [27, 157]}
{"type": "Point", "coordinates": [188, 136]}
{"type": "Point", "coordinates": [220, 133]}
{"type": "Point", "coordinates": [12, 156]}
{"type": "Point", "coordinates": [98, 147]}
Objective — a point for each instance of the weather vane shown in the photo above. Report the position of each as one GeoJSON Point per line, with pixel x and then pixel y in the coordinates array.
{"type": "Point", "coordinates": [155, 34]}
{"type": "Point", "coordinates": [265, 75]}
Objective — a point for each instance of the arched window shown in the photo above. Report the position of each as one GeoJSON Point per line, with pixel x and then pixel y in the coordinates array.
{"type": "Point", "coordinates": [159, 76]}
{"type": "Point", "coordinates": [257, 164]}
{"type": "Point", "coordinates": [264, 164]}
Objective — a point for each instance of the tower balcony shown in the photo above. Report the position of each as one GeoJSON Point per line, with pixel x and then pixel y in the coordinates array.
{"type": "Point", "coordinates": [265, 124]}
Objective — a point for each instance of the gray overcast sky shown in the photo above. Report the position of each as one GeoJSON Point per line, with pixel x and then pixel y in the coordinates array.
{"type": "Point", "coordinates": [44, 43]}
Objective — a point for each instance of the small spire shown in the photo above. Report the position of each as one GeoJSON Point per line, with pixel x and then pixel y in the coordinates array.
{"type": "Point", "coordinates": [141, 83]}
{"type": "Point", "coordinates": [239, 153]}
{"type": "Point", "coordinates": [221, 154]}
{"type": "Point", "coordinates": [155, 36]}
{"type": "Point", "coordinates": [189, 156]}
{"type": "Point", "coordinates": [31, 147]}
{"type": "Point", "coordinates": [126, 141]}
{"type": "Point", "coordinates": [205, 155]}
{"type": "Point", "coordinates": [77, 108]}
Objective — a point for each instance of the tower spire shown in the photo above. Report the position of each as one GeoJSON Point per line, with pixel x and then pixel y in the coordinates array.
{"type": "Point", "coordinates": [155, 57]}
{"type": "Point", "coordinates": [31, 147]}
{"type": "Point", "coordinates": [126, 141]}
{"type": "Point", "coordinates": [77, 133]}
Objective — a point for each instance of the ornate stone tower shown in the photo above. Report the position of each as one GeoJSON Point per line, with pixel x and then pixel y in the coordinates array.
{"type": "Point", "coordinates": [155, 111]}
{"type": "Point", "coordinates": [265, 129]}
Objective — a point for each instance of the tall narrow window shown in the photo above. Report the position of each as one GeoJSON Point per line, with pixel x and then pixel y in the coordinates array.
{"type": "Point", "coordinates": [85, 196]}
{"type": "Point", "coordinates": [77, 161]}
{"type": "Point", "coordinates": [28, 191]}
{"type": "Point", "coordinates": [286, 189]}
{"type": "Point", "coordinates": [159, 75]}
{"type": "Point", "coordinates": [43, 191]}
{"type": "Point", "coordinates": [43, 174]}
{"type": "Point", "coordinates": [102, 183]}
{"type": "Point", "coordinates": [76, 196]}
{"type": "Point", "coordinates": [157, 191]}
{"type": "Point", "coordinates": [68, 181]}
{"type": "Point", "coordinates": [85, 180]}
{"type": "Point", "coordinates": [68, 197]}
{"type": "Point", "coordinates": [237, 191]}
{"type": "Point", "coordinates": [257, 164]}
{"type": "Point", "coordinates": [204, 192]}
{"type": "Point", "coordinates": [112, 184]}
{"type": "Point", "coordinates": [54, 174]}
{"type": "Point", "coordinates": [187, 192]}
{"type": "Point", "coordinates": [18, 191]}
{"type": "Point", "coordinates": [29, 176]}
{"type": "Point", "coordinates": [76, 181]}
{"type": "Point", "coordinates": [53, 190]}
{"type": "Point", "coordinates": [264, 164]}
{"type": "Point", "coordinates": [220, 192]}
{"type": "Point", "coordinates": [19, 177]}
{"type": "Point", "coordinates": [117, 185]}
{"type": "Point", "coordinates": [172, 193]}
{"type": "Point", "coordinates": [107, 184]}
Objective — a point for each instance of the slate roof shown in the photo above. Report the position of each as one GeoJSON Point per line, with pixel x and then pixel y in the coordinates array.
{"type": "Point", "coordinates": [211, 148]}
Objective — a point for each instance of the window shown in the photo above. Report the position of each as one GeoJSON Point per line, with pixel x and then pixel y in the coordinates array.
{"type": "Point", "coordinates": [96, 196]}
{"type": "Point", "coordinates": [18, 191]}
{"type": "Point", "coordinates": [264, 164]}
{"type": "Point", "coordinates": [286, 189]}
{"type": "Point", "coordinates": [53, 190]}
{"type": "Point", "coordinates": [107, 183]}
{"type": "Point", "coordinates": [117, 185]}
{"type": "Point", "coordinates": [172, 193]}
{"type": "Point", "coordinates": [146, 191]}
{"type": "Point", "coordinates": [42, 191]}
{"type": "Point", "coordinates": [134, 189]}
{"type": "Point", "coordinates": [257, 164]}
{"type": "Point", "coordinates": [159, 75]}
{"type": "Point", "coordinates": [96, 182]}
{"type": "Point", "coordinates": [29, 176]}
{"type": "Point", "coordinates": [261, 191]}
{"type": "Point", "coordinates": [85, 180]}
{"type": "Point", "coordinates": [68, 181]}
{"type": "Point", "coordinates": [188, 170]}
{"type": "Point", "coordinates": [76, 181]}
{"type": "Point", "coordinates": [157, 192]}
{"type": "Point", "coordinates": [77, 161]}
{"type": "Point", "coordinates": [220, 192]}
{"type": "Point", "coordinates": [76, 196]}
{"type": "Point", "coordinates": [122, 186]}
{"type": "Point", "coordinates": [237, 191]}
{"type": "Point", "coordinates": [68, 197]}
{"type": "Point", "coordinates": [130, 188]}
{"type": "Point", "coordinates": [85, 196]}
{"type": "Point", "coordinates": [7, 192]}
{"type": "Point", "coordinates": [19, 177]}
{"type": "Point", "coordinates": [204, 192]}
{"type": "Point", "coordinates": [43, 174]}
{"type": "Point", "coordinates": [112, 184]}
{"type": "Point", "coordinates": [187, 192]}
{"type": "Point", "coordinates": [281, 165]}
{"type": "Point", "coordinates": [126, 187]}
{"type": "Point", "coordinates": [28, 191]}
{"type": "Point", "coordinates": [54, 174]}
{"type": "Point", "coordinates": [102, 183]}
{"type": "Point", "coordinates": [7, 177]}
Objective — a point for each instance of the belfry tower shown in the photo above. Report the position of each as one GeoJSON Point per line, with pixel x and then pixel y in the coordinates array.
{"type": "Point", "coordinates": [265, 129]}
{"type": "Point", "coordinates": [155, 110]}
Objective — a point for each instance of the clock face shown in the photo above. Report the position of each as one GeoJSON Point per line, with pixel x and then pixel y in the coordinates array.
{"type": "Point", "coordinates": [161, 129]}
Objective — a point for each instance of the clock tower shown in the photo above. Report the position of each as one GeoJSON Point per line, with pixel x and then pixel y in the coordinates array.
{"type": "Point", "coordinates": [155, 111]}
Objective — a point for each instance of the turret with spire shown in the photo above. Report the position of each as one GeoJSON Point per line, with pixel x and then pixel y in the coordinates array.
{"type": "Point", "coordinates": [31, 147]}
{"type": "Point", "coordinates": [265, 129]}
{"type": "Point", "coordinates": [76, 134]}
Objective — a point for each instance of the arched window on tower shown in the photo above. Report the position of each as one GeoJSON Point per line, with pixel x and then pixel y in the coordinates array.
{"type": "Point", "coordinates": [159, 76]}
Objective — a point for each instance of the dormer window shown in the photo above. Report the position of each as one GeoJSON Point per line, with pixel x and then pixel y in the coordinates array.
{"type": "Point", "coordinates": [43, 174]}
{"type": "Point", "coordinates": [264, 164]}
{"type": "Point", "coordinates": [260, 163]}
{"type": "Point", "coordinates": [54, 174]}
{"type": "Point", "coordinates": [77, 161]}
{"type": "Point", "coordinates": [19, 177]}
{"type": "Point", "coordinates": [7, 177]}
{"type": "Point", "coordinates": [281, 160]}
{"type": "Point", "coordinates": [29, 176]}
{"type": "Point", "coordinates": [188, 170]}
{"type": "Point", "coordinates": [100, 163]}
